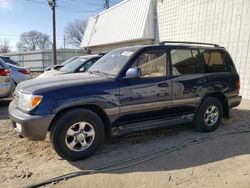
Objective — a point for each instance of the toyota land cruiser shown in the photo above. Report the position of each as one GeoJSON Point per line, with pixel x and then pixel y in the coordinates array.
{"type": "Point", "coordinates": [129, 89]}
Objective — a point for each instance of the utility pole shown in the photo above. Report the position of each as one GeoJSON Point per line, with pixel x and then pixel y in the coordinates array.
{"type": "Point", "coordinates": [64, 41]}
{"type": "Point", "coordinates": [52, 4]}
{"type": "Point", "coordinates": [106, 4]}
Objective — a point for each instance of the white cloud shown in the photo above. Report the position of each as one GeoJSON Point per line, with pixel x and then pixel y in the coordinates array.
{"type": "Point", "coordinates": [4, 4]}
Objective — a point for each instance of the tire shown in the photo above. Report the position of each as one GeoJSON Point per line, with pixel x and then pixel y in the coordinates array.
{"type": "Point", "coordinates": [206, 119]}
{"type": "Point", "coordinates": [77, 134]}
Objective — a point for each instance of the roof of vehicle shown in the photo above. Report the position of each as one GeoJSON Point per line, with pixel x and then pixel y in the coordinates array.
{"type": "Point", "coordinates": [15, 66]}
{"type": "Point", "coordinates": [188, 43]}
{"type": "Point", "coordinates": [91, 56]}
{"type": "Point", "coordinates": [178, 44]}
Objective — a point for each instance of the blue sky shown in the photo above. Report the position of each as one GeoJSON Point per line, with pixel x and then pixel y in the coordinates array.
{"type": "Point", "coordinates": [18, 16]}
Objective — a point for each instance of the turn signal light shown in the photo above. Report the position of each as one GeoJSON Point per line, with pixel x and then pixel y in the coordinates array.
{"type": "Point", "coordinates": [24, 71]}
{"type": "Point", "coordinates": [36, 101]}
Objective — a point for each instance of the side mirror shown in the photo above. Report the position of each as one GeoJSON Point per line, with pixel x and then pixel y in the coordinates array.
{"type": "Point", "coordinates": [83, 69]}
{"type": "Point", "coordinates": [133, 73]}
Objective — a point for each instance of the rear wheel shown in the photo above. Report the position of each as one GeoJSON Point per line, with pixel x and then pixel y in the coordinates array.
{"type": "Point", "coordinates": [77, 134]}
{"type": "Point", "coordinates": [209, 115]}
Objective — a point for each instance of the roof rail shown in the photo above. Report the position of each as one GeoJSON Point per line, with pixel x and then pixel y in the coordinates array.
{"type": "Point", "coordinates": [187, 42]}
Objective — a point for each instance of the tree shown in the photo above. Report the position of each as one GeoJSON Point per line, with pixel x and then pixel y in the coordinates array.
{"type": "Point", "coordinates": [74, 32]}
{"type": "Point", "coordinates": [4, 46]}
{"type": "Point", "coordinates": [44, 42]}
{"type": "Point", "coordinates": [33, 40]}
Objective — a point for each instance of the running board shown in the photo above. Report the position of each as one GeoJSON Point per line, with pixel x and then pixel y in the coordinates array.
{"type": "Point", "coordinates": [151, 124]}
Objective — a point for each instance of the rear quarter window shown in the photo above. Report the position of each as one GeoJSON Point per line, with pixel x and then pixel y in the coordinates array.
{"type": "Point", "coordinates": [215, 61]}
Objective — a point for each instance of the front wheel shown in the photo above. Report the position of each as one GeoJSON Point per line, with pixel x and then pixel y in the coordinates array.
{"type": "Point", "coordinates": [77, 134]}
{"type": "Point", "coordinates": [209, 115]}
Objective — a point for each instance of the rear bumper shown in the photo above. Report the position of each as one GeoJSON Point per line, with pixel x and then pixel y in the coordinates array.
{"type": "Point", "coordinates": [234, 101]}
{"type": "Point", "coordinates": [33, 127]}
{"type": "Point", "coordinates": [5, 89]}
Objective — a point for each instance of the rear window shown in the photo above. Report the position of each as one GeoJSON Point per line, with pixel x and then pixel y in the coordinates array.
{"type": "Point", "coordinates": [3, 65]}
{"type": "Point", "coordinates": [185, 62]}
{"type": "Point", "coordinates": [214, 61]}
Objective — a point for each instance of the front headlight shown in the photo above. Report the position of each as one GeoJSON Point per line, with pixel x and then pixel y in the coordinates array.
{"type": "Point", "coordinates": [28, 102]}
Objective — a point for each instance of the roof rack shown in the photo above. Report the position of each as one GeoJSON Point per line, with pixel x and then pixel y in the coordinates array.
{"type": "Point", "coordinates": [187, 42]}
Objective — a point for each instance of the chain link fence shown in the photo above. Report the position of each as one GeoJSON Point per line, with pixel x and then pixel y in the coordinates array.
{"type": "Point", "coordinates": [36, 61]}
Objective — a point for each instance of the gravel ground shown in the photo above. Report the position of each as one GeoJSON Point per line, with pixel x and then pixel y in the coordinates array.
{"type": "Point", "coordinates": [220, 162]}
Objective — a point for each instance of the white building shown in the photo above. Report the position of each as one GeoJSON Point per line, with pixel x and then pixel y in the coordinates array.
{"type": "Point", "coordinates": [225, 22]}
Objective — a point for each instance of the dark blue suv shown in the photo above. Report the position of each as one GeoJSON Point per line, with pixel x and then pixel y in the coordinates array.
{"type": "Point", "coordinates": [129, 89]}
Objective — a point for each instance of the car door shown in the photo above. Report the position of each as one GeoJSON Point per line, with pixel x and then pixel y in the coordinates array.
{"type": "Point", "coordinates": [220, 71]}
{"type": "Point", "coordinates": [149, 96]}
{"type": "Point", "coordinates": [188, 80]}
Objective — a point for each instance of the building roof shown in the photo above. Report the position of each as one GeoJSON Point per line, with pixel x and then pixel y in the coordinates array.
{"type": "Point", "coordinates": [130, 20]}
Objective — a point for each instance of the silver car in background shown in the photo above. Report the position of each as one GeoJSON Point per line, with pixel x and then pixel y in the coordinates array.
{"type": "Point", "coordinates": [18, 74]}
{"type": "Point", "coordinates": [58, 66]}
{"type": "Point", "coordinates": [81, 64]}
{"type": "Point", "coordinates": [5, 80]}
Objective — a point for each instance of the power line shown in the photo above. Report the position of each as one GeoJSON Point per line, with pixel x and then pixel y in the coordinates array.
{"type": "Point", "coordinates": [21, 2]}
{"type": "Point", "coordinates": [72, 6]}
{"type": "Point", "coordinates": [69, 6]}
{"type": "Point", "coordinates": [78, 6]}
{"type": "Point", "coordinates": [77, 3]}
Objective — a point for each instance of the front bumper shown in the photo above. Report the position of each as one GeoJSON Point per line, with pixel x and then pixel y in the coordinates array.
{"type": "Point", "coordinates": [33, 127]}
{"type": "Point", "coordinates": [234, 101]}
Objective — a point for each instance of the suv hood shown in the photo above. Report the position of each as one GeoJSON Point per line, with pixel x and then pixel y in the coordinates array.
{"type": "Point", "coordinates": [51, 73]}
{"type": "Point", "coordinates": [60, 81]}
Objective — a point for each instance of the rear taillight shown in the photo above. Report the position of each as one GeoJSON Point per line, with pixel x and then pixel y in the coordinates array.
{"type": "Point", "coordinates": [24, 71]}
{"type": "Point", "coordinates": [4, 72]}
{"type": "Point", "coordinates": [238, 85]}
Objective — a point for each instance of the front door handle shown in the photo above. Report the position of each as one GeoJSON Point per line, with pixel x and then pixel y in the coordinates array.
{"type": "Point", "coordinates": [163, 85]}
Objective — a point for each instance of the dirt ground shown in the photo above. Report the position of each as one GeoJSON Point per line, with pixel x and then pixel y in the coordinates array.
{"type": "Point", "coordinates": [220, 162]}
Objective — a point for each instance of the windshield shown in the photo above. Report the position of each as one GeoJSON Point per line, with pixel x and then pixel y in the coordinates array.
{"type": "Point", "coordinates": [69, 60]}
{"type": "Point", "coordinates": [112, 63]}
{"type": "Point", "coordinates": [8, 60]}
{"type": "Point", "coordinates": [2, 64]}
{"type": "Point", "coordinates": [73, 65]}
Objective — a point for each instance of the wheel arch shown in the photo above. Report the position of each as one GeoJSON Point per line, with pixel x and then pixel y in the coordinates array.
{"type": "Point", "coordinates": [94, 108]}
{"type": "Point", "coordinates": [222, 98]}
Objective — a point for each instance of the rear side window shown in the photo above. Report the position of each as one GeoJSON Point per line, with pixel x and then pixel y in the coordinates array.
{"type": "Point", "coordinates": [214, 61]}
{"type": "Point", "coordinates": [185, 62]}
